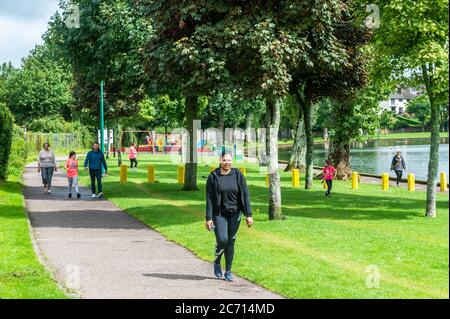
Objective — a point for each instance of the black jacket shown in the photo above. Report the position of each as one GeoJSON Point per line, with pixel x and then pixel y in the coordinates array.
{"type": "Point", "coordinates": [398, 163]}
{"type": "Point", "coordinates": [213, 195]}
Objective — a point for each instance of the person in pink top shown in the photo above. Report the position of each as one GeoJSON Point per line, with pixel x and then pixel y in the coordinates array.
{"type": "Point", "coordinates": [132, 154]}
{"type": "Point", "coordinates": [329, 173]}
{"type": "Point", "coordinates": [71, 166]}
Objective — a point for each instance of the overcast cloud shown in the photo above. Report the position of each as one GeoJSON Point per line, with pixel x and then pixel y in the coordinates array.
{"type": "Point", "coordinates": [22, 23]}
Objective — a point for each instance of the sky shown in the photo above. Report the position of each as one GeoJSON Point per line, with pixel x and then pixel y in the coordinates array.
{"type": "Point", "coordinates": [22, 23]}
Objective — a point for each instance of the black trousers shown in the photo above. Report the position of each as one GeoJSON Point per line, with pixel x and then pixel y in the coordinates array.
{"type": "Point", "coordinates": [399, 176]}
{"type": "Point", "coordinates": [226, 231]}
{"type": "Point", "coordinates": [96, 174]}
{"type": "Point", "coordinates": [133, 160]}
{"type": "Point", "coordinates": [330, 185]}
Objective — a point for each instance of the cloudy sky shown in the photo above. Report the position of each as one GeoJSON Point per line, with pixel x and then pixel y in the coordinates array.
{"type": "Point", "coordinates": [22, 23]}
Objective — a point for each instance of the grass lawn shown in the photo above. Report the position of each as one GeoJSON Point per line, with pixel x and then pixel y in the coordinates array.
{"type": "Point", "coordinates": [404, 135]}
{"type": "Point", "coordinates": [327, 248]}
{"type": "Point", "coordinates": [21, 273]}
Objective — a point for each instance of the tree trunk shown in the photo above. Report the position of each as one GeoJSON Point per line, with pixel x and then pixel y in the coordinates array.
{"type": "Point", "coordinates": [248, 130]}
{"type": "Point", "coordinates": [297, 158]}
{"type": "Point", "coordinates": [190, 172]}
{"type": "Point", "coordinates": [340, 157]}
{"type": "Point", "coordinates": [272, 127]}
{"type": "Point", "coordinates": [434, 147]}
{"type": "Point", "coordinates": [308, 116]}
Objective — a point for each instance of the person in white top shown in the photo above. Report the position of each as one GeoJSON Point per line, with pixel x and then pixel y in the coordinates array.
{"type": "Point", "coordinates": [46, 166]}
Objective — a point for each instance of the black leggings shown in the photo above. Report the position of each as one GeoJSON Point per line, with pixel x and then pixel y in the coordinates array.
{"type": "Point", "coordinates": [226, 231]}
{"type": "Point", "coordinates": [133, 160]}
{"type": "Point", "coordinates": [330, 185]}
{"type": "Point", "coordinates": [399, 176]}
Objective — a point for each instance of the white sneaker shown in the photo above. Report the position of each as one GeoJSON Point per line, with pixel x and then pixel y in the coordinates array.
{"type": "Point", "coordinates": [93, 195]}
{"type": "Point", "coordinates": [49, 191]}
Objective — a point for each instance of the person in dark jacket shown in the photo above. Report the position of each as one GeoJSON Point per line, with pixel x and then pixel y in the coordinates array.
{"type": "Point", "coordinates": [95, 159]}
{"type": "Point", "coordinates": [398, 165]}
{"type": "Point", "coordinates": [227, 197]}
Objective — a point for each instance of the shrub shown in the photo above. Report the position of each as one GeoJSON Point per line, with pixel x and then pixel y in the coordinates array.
{"type": "Point", "coordinates": [6, 127]}
{"type": "Point", "coordinates": [18, 153]}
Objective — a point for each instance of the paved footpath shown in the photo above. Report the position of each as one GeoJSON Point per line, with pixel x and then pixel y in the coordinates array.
{"type": "Point", "coordinates": [99, 251]}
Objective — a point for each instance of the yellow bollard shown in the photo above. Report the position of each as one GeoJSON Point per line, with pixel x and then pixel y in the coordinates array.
{"type": "Point", "coordinates": [385, 181]}
{"type": "Point", "coordinates": [211, 168]}
{"type": "Point", "coordinates": [243, 170]}
{"type": "Point", "coordinates": [443, 182]}
{"type": "Point", "coordinates": [411, 182]}
{"type": "Point", "coordinates": [180, 174]}
{"type": "Point", "coordinates": [151, 173]}
{"type": "Point", "coordinates": [355, 180]}
{"type": "Point", "coordinates": [123, 173]}
{"type": "Point", "coordinates": [324, 182]}
{"type": "Point", "coordinates": [295, 177]}
{"type": "Point", "coordinates": [267, 180]}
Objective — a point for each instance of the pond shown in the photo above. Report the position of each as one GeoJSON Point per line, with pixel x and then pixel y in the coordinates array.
{"type": "Point", "coordinates": [375, 157]}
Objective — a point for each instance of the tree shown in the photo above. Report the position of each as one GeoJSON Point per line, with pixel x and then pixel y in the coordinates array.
{"type": "Point", "coordinates": [106, 46]}
{"type": "Point", "coordinates": [41, 87]}
{"type": "Point", "coordinates": [336, 70]}
{"type": "Point", "coordinates": [412, 44]}
{"type": "Point", "coordinates": [387, 119]}
{"type": "Point", "coordinates": [420, 108]}
{"type": "Point", "coordinates": [6, 131]}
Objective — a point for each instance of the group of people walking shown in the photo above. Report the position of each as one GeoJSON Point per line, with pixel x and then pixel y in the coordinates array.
{"type": "Point", "coordinates": [227, 194]}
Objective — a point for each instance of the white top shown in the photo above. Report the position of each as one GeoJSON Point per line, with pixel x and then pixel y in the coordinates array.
{"type": "Point", "coordinates": [47, 158]}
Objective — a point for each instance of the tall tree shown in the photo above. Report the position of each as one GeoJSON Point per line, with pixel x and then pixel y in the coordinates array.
{"type": "Point", "coordinates": [41, 87]}
{"type": "Point", "coordinates": [337, 68]}
{"type": "Point", "coordinates": [412, 44]}
{"type": "Point", "coordinates": [107, 46]}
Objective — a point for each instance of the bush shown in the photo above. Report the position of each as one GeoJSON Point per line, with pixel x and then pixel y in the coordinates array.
{"type": "Point", "coordinates": [403, 122]}
{"type": "Point", "coordinates": [6, 127]}
{"type": "Point", "coordinates": [18, 153]}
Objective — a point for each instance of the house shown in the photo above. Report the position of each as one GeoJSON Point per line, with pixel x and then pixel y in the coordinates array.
{"type": "Point", "coordinates": [398, 100]}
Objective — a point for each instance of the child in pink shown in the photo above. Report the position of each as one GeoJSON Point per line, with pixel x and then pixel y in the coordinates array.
{"type": "Point", "coordinates": [329, 173]}
{"type": "Point", "coordinates": [132, 154]}
{"type": "Point", "coordinates": [71, 166]}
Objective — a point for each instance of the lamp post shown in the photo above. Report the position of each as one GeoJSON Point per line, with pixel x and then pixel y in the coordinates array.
{"type": "Point", "coordinates": [102, 123]}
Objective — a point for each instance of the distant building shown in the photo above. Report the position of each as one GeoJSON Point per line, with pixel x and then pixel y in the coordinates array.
{"type": "Point", "coordinates": [398, 100]}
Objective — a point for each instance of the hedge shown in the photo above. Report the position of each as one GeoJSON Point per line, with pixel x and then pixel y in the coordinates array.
{"type": "Point", "coordinates": [6, 132]}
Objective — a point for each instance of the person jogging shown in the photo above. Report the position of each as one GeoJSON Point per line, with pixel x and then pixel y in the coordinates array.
{"type": "Point", "coordinates": [227, 197]}
{"type": "Point", "coordinates": [95, 159]}
{"type": "Point", "coordinates": [329, 173]}
{"type": "Point", "coordinates": [71, 166]}
{"type": "Point", "coordinates": [398, 165]}
{"type": "Point", "coordinates": [46, 166]}
{"type": "Point", "coordinates": [132, 156]}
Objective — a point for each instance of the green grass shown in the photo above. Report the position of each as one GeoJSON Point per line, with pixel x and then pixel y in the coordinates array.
{"type": "Point", "coordinates": [21, 273]}
{"type": "Point", "coordinates": [404, 135]}
{"type": "Point", "coordinates": [327, 248]}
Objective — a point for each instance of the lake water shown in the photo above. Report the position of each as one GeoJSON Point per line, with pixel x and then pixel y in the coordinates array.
{"type": "Point", "coordinates": [375, 157]}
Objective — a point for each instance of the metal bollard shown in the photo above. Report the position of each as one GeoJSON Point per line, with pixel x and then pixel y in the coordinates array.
{"type": "Point", "coordinates": [411, 182]}
{"type": "Point", "coordinates": [151, 173]}
{"type": "Point", "coordinates": [295, 177]}
{"type": "Point", "coordinates": [123, 173]}
{"type": "Point", "coordinates": [180, 174]}
{"type": "Point", "coordinates": [355, 180]}
{"type": "Point", "coordinates": [385, 181]}
{"type": "Point", "coordinates": [443, 182]}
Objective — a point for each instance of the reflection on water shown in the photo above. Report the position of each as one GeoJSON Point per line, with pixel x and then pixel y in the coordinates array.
{"type": "Point", "coordinates": [375, 156]}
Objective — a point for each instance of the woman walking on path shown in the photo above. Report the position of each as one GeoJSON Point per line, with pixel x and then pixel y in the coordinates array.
{"type": "Point", "coordinates": [95, 159]}
{"type": "Point", "coordinates": [46, 166]}
{"type": "Point", "coordinates": [398, 165]}
{"type": "Point", "coordinates": [227, 197]}
{"type": "Point", "coordinates": [329, 173]}
{"type": "Point", "coordinates": [71, 166]}
{"type": "Point", "coordinates": [132, 156]}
